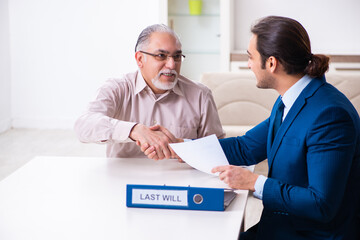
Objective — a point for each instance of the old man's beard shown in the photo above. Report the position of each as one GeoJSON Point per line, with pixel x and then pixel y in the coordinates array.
{"type": "Point", "coordinates": [168, 84]}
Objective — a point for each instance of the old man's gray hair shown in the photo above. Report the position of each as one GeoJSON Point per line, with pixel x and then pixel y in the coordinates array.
{"type": "Point", "coordinates": [143, 39]}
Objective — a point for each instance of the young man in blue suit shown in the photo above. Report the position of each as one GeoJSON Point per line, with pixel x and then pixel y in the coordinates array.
{"type": "Point", "coordinates": [311, 141]}
{"type": "Point", "coordinates": [313, 185]}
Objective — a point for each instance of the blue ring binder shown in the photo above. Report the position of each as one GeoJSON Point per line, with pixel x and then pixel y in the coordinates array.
{"type": "Point", "coordinates": [176, 197]}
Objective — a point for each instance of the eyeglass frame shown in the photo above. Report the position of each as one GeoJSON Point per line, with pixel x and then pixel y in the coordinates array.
{"type": "Point", "coordinates": [159, 58]}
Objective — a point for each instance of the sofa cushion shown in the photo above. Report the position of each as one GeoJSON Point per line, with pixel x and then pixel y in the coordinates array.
{"type": "Point", "coordinates": [241, 105]}
{"type": "Point", "coordinates": [348, 82]}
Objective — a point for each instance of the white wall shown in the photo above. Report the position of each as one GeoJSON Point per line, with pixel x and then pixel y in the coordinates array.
{"type": "Point", "coordinates": [5, 113]}
{"type": "Point", "coordinates": [333, 26]}
{"type": "Point", "coordinates": [63, 50]}
{"type": "Point", "coordinates": [57, 53]}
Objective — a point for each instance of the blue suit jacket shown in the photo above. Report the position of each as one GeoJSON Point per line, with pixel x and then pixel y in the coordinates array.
{"type": "Point", "coordinates": [313, 189]}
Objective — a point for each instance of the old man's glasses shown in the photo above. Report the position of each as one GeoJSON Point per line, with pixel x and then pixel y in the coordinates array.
{"type": "Point", "coordinates": [164, 56]}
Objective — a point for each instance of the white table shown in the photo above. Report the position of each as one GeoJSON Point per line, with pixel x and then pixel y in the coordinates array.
{"type": "Point", "coordinates": [84, 198]}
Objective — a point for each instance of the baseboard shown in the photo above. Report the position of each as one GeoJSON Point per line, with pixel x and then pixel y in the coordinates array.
{"type": "Point", "coordinates": [44, 123]}
{"type": "Point", "coordinates": [5, 124]}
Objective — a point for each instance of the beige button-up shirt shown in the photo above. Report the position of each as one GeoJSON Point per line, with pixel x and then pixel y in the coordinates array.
{"type": "Point", "coordinates": [187, 111]}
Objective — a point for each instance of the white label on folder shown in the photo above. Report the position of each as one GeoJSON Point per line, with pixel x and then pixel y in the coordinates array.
{"type": "Point", "coordinates": [160, 197]}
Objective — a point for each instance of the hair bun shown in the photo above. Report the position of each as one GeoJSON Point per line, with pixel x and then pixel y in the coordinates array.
{"type": "Point", "coordinates": [318, 65]}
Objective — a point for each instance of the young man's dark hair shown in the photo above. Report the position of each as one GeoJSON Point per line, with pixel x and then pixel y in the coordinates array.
{"type": "Point", "coordinates": [287, 40]}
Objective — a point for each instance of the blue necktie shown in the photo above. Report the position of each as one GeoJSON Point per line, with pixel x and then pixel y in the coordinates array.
{"type": "Point", "coordinates": [278, 117]}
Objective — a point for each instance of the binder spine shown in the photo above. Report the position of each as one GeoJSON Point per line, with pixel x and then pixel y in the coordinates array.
{"type": "Point", "coordinates": [174, 197]}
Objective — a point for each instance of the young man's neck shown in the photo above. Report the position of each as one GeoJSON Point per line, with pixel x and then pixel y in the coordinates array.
{"type": "Point", "coordinates": [286, 81]}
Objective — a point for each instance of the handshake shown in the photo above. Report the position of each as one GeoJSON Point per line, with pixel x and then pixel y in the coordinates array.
{"type": "Point", "coordinates": [154, 141]}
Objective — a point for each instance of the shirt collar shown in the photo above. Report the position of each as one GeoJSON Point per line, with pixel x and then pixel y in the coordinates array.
{"type": "Point", "coordinates": [177, 88]}
{"type": "Point", "coordinates": [292, 93]}
{"type": "Point", "coordinates": [140, 85]}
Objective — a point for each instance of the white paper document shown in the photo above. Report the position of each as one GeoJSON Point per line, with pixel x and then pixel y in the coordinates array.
{"type": "Point", "coordinates": [203, 154]}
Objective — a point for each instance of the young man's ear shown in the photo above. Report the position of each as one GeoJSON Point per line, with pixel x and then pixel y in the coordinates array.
{"type": "Point", "coordinates": [272, 63]}
{"type": "Point", "coordinates": [139, 57]}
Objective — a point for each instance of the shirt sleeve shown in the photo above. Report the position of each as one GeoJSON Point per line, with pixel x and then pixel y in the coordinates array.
{"type": "Point", "coordinates": [210, 121]}
{"type": "Point", "coordinates": [98, 124]}
{"type": "Point", "coordinates": [259, 186]}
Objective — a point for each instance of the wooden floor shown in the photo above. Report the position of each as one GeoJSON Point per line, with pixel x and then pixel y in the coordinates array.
{"type": "Point", "coordinates": [18, 146]}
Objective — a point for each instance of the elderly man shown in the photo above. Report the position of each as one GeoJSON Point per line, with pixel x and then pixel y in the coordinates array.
{"type": "Point", "coordinates": [156, 94]}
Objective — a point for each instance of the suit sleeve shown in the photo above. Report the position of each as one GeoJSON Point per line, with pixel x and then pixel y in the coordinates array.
{"type": "Point", "coordinates": [330, 150]}
{"type": "Point", "coordinates": [249, 149]}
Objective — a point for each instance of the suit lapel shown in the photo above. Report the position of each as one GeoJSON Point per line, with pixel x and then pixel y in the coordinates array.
{"type": "Point", "coordinates": [271, 126]}
{"type": "Point", "coordinates": [299, 104]}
